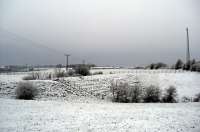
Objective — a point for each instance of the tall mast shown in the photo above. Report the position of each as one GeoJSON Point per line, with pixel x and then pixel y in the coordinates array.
{"type": "Point", "coordinates": [188, 47]}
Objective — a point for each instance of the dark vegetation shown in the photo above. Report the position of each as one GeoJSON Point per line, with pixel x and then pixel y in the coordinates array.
{"type": "Point", "coordinates": [158, 65]}
{"type": "Point", "coordinates": [38, 76]}
{"type": "Point", "coordinates": [170, 95]}
{"type": "Point", "coordinates": [190, 65]}
{"type": "Point", "coordinates": [83, 70]}
{"type": "Point", "coordinates": [135, 93]}
{"type": "Point", "coordinates": [125, 93]}
{"type": "Point", "coordinates": [26, 90]}
{"type": "Point", "coordinates": [29, 77]}
{"type": "Point", "coordinates": [152, 94]}
{"type": "Point", "coordinates": [97, 73]}
{"type": "Point", "coordinates": [179, 64]}
{"type": "Point", "coordinates": [197, 98]}
{"type": "Point", "coordinates": [120, 92]}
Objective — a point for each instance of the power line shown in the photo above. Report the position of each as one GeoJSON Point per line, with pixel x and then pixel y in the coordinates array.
{"type": "Point", "coordinates": [41, 45]}
{"type": "Point", "coordinates": [33, 43]}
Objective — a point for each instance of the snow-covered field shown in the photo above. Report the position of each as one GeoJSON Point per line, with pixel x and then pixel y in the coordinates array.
{"type": "Point", "coordinates": [84, 104]}
{"type": "Point", "coordinates": [28, 116]}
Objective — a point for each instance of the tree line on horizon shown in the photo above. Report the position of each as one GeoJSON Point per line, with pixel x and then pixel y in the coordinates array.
{"type": "Point", "coordinates": [191, 65]}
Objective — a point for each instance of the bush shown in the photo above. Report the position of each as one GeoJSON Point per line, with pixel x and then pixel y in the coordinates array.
{"type": "Point", "coordinates": [98, 73]}
{"type": "Point", "coordinates": [135, 93]}
{"type": "Point", "coordinates": [58, 72]}
{"type": "Point", "coordinates": [197, 98]}
{"type": "Point", "coordinates": [170, 95]}
{"type": "Point", "coordinates": [158, 65]}
{"type": "Point", "coordinates": [187, 65]}
{"type": "Point", "coordinates": [82, 70]}
{"type": "Point", "coordinates": [186, 99]}
{"type": "Point", "coordinates": [29, 77]}
{"type": "Point", "coordinates": [121, 93]}
{"type": "Point", "coordinates": [70, 72]}
{"type": "Point", "coordinates": [179, 64]}
{"type": "Point", "coordinates": [152, 94]}
{"type": "Point", "coordinates": [196, 67]}
{"type": "Point", "coordinates": [38, 75]}
{"type": "Point", "coordinates": [26, 90]}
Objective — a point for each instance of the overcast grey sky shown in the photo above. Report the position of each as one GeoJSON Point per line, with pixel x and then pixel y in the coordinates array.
{"type": "Point", "coordinates": [104, 32]}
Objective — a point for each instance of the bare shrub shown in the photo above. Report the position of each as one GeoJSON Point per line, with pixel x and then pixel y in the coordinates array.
{"type": "Point", "coordinates": [186, 99]}
{"type": "Point", "coordinates": [170, 95]}
{"type": "Point", "coordinates": [98, 73]}
{"type": "Point", "coordinates": [71, 73]}
{"type": "Point", "coordinates": [152, 94]}
{"type": "Point", "coordinates": [26, 90]}
{"type": "Point", "coordinates": [119, 91]}
{"type": "Point", "coordinates": [197, 98]}
{"type": "Point", "coordinates": [123, 92]}
{"type": "Point", "coordinates": [33, 76]}
{"type": "Point", "coordinates": [82, 70]}
{"type": "Point", "coordinates": [29, 77]}
{"type": "Point", "coordinates": [135, 93]}
{"type": "Point", "coordinates": [48, 76]}
{"type": "Point", "coordinates": [58, 72]}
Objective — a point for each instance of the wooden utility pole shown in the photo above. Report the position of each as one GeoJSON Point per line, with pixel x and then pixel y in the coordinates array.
{"type": "Point", "coordinates": [67, 59]}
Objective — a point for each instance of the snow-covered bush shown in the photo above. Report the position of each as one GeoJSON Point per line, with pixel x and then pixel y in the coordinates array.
{"type": "Point", "coordinates": [197, 98]}
{"type": "Point", "coordinates": [119, 91]}
{"type": "Point", "coordinates": [152, 94]}
{"type": "Point", "coordinates": [26, 90]}
{"type": "Point", "coordinates": [170, 95]}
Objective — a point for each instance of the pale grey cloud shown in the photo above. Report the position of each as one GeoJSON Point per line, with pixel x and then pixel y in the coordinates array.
{"type": "Point", "coordinates": [114, 32]}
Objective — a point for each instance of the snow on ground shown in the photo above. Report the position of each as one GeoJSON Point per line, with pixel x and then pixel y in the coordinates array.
{"type": "Point", "coordinates": [21, 115]}
{"type": "Point", "coordinates": [187, 83]}
{"type": "Point", "coordinates": [78, 104]}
